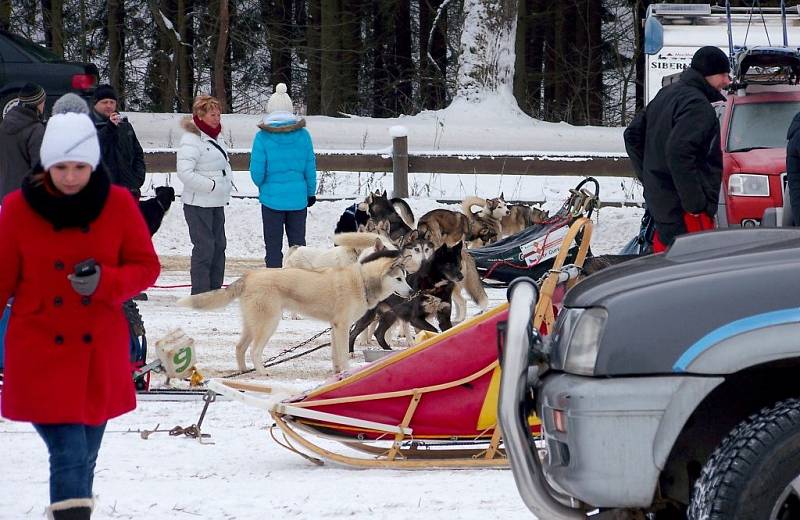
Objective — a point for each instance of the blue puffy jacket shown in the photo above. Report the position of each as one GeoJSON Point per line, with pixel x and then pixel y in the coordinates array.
{"type": "Point", "coordinates": [283, 166]}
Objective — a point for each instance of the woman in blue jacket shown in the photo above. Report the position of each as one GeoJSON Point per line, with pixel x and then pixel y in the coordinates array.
{"type": "Point", "coordinates": [283, 166]}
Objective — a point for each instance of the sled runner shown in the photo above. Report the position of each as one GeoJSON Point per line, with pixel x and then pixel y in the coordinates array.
{"type": "Point", "coordinates": [532, 251]}
{"type": "Point", "coordinates": [431, 405]}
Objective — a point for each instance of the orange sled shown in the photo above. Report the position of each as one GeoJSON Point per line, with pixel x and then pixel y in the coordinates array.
{"type": "Point", "coordinates": [431, 405]}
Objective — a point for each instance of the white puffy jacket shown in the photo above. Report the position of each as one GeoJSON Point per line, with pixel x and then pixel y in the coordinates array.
{"type": "Point", "coordinates": [203, 169]}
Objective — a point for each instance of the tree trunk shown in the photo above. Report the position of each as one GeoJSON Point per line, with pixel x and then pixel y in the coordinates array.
{"type": "Point", "coordinates": [433, 53]}
{"type": "Point", "coordinates": [184, 55]}
{"type": "Point", "coordinates": [218, 88]}
{"type": "Point", "coordinates": [486, 61]}
{"type": "Point", "coordinates": [5, 14]}
{"type": "Point", "coordinates": [330, 43]}
{"type": "Point", "coordinates": [53, 16]}
{"type": "Point", "coordinates": [596, 91]}
{"type": "Point", "coordinates": [314, 52]}
{"type": "Point", "coordinates": [277, 18]}
{"type": "Point", "coordinates": [163, 78]}
{"type": "Point", "coordinates": [116, 47]}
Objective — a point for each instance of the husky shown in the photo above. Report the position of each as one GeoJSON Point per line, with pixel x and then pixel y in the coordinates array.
{"type": "Point", "coordinates": [437, 277]}
{"type": "Point", "coordinates": [380, 208]}
{"type": "Point", "coordinates": [337, 295]}
{"type": "Point", "coordinates": [404, 210]}
{"type": "Point", "coordinates": [444, 226]}
{"type": "Point", "coordinates": [346, 251]}
{"type": "Point", "coordinates": [522, 216]}
{"type": "Point", "coordinates": [485, 217]}
{"type": "Point", "coordinates": [472, 284]}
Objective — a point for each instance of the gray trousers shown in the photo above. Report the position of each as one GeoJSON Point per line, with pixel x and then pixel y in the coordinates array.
{"type": "Point", "coordinates": [207, 232]}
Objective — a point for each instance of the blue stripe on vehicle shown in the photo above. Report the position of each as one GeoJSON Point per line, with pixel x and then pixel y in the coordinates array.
{"type": "Point", "coordinates": [759, 321]}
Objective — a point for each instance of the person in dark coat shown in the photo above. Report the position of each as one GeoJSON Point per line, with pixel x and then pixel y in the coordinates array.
{"type": "Point", "coordinates": [674, 146]}
{"type": "Point", "coordinates": [20, 138]}
{"type": "Point", "coordinates": [74, 248]}
{"type": "Point", "coordinates": [120, 150]}
{"type": "Point", "coordinates": [793, 167]}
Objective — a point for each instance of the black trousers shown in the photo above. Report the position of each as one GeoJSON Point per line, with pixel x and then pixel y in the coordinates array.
{"type": "Point", "coordinates": [207, 232]}
{"type": "Point", "coordinates": [274, 222]}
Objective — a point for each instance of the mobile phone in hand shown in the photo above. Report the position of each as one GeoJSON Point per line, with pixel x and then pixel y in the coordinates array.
{"type": "Point", "coordinates": [86, 268]}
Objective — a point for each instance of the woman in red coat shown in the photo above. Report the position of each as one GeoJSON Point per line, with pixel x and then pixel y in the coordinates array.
{"type": "Point", "coordinates": [73, 249]}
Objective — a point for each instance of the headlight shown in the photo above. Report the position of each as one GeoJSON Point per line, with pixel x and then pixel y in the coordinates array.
{"type": "Point", "coordinates": [748, 185]}
{"type": "Point", "coordinates": [585, 341]}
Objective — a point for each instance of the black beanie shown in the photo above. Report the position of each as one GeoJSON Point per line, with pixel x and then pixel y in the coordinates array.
{"type": "Point", "coordinates": [710, 60]}
{"type": "Point", "coordinates": [31, 94]}
{"type": "Point", "coordinates": [104, 92]}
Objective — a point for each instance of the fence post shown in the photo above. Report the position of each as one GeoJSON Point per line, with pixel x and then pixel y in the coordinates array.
{"type": "Point", "coordinates": [399, 160]}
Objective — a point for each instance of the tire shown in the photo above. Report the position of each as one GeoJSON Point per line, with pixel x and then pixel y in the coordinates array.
{"type": "Point", "coordinates": [7, 102]}
{"type": "Point", "coordinates": [748, 476]}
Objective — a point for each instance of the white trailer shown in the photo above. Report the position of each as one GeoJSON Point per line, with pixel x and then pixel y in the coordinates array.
{"type": "Point", "coordinates": [673, 32]}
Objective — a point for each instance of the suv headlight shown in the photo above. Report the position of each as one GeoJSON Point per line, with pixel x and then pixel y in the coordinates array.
{"type": "Point", "coordinates": [584, 341]}
{"type": "Point", "coordinates": [748, 185]}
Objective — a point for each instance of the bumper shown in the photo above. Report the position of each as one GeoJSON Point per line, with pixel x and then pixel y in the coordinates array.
{"type": "Point", "coordinates": [618, 434]}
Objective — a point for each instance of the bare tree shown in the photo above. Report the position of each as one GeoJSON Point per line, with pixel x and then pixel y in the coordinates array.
{"type": "Point", "coordinates": [53, 16]}
{"type": "Point", "coordinates": [115, 28]}
{"type": "Point", "coordinates": [218, 87]}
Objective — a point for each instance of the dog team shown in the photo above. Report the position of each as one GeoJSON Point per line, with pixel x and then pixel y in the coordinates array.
{"type": "Point", "coordinates": [383, 271]}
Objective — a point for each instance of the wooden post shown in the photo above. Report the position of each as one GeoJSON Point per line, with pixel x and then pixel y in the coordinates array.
{"type": "Point", "coordinates": [399, 161]}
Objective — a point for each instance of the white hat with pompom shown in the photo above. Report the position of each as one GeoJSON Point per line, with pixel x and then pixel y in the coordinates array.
{"type": "Point", "coordinates": [280, 100]}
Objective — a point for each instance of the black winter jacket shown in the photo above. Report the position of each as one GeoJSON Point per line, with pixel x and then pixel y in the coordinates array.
{"type": "Point", "coordinates": [675, 150]}
{"type": "Point", "coordinates": [21, 135]}
{"type": "Point", "coordinates": [121, 152]}
{"type": "Point", "coordinates": [793, 167]}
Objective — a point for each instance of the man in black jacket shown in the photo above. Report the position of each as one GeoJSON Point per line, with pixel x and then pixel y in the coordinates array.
{"type": "Point", "coordinates": [674, 146]}
{"type": "Point", "coordinates": [21, 135]}
{"type": "Point", "coordinates": [120, 150]}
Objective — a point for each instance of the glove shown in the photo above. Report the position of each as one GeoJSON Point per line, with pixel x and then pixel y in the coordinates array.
{"type": "Point", "coordinates": [311, 201]}
{"type": "Point", "coordinates": [85, 285]}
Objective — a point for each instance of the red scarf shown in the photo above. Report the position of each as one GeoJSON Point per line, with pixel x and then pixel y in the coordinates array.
{"type": "Point", "coordinates": [210, 131]}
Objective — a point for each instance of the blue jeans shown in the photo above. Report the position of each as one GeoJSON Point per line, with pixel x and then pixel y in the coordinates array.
{"type": "Point", "coordinates": [73, 453]}
{"type": "Point", "coordinates": [274, 222]}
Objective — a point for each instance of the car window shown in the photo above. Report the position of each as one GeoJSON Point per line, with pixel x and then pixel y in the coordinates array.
{"type": "Point", "coordinates": [9, 53]}
{"type": "Point", "coordinates": [760, 125]}
{"type": "Point", "coordinates": [37, 51]}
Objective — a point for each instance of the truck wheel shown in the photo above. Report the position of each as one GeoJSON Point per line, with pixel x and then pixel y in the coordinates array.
{"type": "Point", "coordinates": [7, 102]}
{"type": "Point", "coordinates": [755, 473]}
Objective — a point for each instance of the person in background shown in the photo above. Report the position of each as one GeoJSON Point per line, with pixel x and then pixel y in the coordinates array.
{"type": "Point", "coordinates": [20, 138]}
{"type": "Point", "coordinates": [74, 248]}
{"type": "Point", "coordinates": [120, 150]}
{"type": "Point", "coordinates": [793, 167]}
{"type": "Point", "coordinates": [205, 172]}
{"type": "Point", "coordinates": [674, 146]}
{"type": "Point", "coordinates": [284, 168]}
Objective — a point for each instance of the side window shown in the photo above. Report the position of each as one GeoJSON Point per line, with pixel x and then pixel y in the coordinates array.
{"type": "Point", "coordinates": [9, 53]}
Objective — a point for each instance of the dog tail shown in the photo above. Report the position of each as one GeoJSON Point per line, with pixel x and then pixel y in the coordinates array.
{"type": "Point", "coordinates": [214, 299]}
{"type": "Point", "coordinates": [468, 202]}
{"type": "Point", "coordinates": [472, 281]}
{"type": "Point", "coordinates": [358, 241]}
{"type": "Point", "coordinates": [404, 210]}
{"type": "Point", "coordinates": [289, 254]}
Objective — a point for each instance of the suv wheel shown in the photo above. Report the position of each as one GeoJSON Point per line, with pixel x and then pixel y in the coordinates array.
{"type": "Point", "coordinates": [7, 102]}
{"type": "Point", "coordinates": [755, 472]}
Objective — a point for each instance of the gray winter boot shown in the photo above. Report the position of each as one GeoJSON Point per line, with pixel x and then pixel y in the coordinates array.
{"type": "Point", "coordinates": [72, 509]}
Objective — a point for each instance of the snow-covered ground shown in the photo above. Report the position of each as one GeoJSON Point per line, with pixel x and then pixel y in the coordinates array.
{"type": "Point", "coordinates": [245, 474]}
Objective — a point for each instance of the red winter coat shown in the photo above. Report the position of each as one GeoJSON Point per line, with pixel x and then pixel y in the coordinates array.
{"type": "Point", "coordinates": [67, 356]}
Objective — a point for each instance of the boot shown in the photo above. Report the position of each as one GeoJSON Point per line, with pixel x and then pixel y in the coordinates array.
{"type": "Point", "coordinates": [72, 509]}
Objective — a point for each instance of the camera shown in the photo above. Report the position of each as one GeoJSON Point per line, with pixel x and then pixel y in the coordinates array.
{"type": "Point", "coordinates": [86, 268]}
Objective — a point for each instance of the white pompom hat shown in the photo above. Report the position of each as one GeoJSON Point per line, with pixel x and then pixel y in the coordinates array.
{"type": "Point", "coordinates": [280, 100]}
{"type": "Point", "coordinates": [70, 137]}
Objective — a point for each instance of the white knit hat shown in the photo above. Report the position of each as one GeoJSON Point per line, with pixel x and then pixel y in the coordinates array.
{"type": "Point", "coordinates": [280, 101]}
{"type": "Point", "coordinates": [70, 137]}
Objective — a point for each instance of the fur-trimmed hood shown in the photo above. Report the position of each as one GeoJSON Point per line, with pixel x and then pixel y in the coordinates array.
{"type": "Point", "coordinates": [188, 126]}
{"type": "Point", "coordinates": [280, 127]}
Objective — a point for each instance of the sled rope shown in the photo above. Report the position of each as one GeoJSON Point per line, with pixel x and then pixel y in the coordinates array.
{"type": "Point", "coordinates": [275, 360]}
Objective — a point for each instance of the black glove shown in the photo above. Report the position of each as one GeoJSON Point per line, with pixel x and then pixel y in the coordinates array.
{"type": "Point", "coordinates": [85, 285]}
{"type": "Point", "coordinates": [311, 201]}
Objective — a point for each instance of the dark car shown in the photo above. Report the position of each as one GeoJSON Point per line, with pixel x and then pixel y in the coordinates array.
{"type": "Point", "coordinates": [22, 61]}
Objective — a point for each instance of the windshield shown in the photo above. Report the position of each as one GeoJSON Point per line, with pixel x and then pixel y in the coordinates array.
{"type": "Point", "coordinates": [760, 125]}
{"type": "Point", "coordinates": [41, 53]}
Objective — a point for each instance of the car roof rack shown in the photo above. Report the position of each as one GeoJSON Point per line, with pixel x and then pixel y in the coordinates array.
{"type": "Point", "coordinates": [765, 65]}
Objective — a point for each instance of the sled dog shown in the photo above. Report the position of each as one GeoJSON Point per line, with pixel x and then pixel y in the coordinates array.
{"type": "Point", "coordinates": [444, 226]}
{"type": "Point", "coordinates": [437, 278]}
{"type": "Point", "coordinates": [352, 220]}
{"type": "Point", "coordinates": [520, 217]}
{"type": "Point", "coordinates": [380, 208]}
{"type": "Point", "coordinates": [339, 295]}
{"type": "Point", "coordinates": [485, 216]}
{"type": "Point", "coordinates": [347, 250]}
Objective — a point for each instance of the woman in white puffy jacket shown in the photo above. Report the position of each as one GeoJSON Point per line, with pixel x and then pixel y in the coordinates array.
{"type": "Point", "coordinates": [205, 171]}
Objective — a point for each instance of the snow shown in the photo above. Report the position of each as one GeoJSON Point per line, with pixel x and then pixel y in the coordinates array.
{"type": "Point", "coordinates": [245, 474]}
